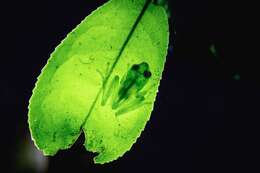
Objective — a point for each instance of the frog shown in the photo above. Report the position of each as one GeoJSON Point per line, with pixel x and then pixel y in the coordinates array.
{"type": "Point", "coordinates": [127, 94]}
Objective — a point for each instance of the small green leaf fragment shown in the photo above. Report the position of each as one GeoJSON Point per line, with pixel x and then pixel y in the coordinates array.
{"type": "Point", "coordinates": [236, 77]}
{"type": "Point", "coordinates": [212, 49]}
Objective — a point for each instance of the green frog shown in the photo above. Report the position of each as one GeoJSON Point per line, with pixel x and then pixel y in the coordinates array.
{"type": "Point", "coordinates": [127, 93]}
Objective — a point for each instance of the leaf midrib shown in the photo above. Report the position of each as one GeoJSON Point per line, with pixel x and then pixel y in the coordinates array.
{"type": "Point", "coordinates": [117, 58]}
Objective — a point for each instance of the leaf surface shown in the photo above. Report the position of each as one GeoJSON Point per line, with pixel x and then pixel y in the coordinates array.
{"type": "Point", "coordinates": [93, 69]}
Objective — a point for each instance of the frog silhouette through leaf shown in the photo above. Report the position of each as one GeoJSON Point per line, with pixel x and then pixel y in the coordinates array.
{"type": "Point", "coordinates": [127, 95]}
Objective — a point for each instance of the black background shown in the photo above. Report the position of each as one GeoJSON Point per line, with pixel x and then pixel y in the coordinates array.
{"type": "Point", "coordinates": [204, 115]}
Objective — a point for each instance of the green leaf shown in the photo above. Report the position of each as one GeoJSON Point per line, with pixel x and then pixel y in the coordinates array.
{"type": "Point", "coordinates": [101, 80]}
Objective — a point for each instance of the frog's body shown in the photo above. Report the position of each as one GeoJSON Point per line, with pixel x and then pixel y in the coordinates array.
{"type": "Point", "coordinates": [127, 94]}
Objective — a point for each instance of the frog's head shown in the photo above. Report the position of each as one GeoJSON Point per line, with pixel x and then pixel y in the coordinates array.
{"type": "Point", "coordinates": [142, 69]}
{"type": "Point", "coordinates": [142, 74]}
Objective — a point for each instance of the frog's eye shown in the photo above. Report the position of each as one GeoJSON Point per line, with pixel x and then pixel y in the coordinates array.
{"type": "Point", "coordinates": [135, 67]}
{"type": "Point", "coordinates": [147, 74]}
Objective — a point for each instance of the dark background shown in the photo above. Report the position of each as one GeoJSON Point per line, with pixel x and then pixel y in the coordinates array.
{"type": "Point", "coordinates": [204, 118]}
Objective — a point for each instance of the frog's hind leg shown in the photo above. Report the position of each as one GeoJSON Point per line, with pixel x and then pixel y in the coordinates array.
{"type": "Point", "coordinates": [135, 102]}
{"type": "Point", "coordinates": [131, 107]}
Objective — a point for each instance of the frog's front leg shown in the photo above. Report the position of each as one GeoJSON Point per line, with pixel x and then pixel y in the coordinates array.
{"type": "Point", "coordinates": [110, 90]}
